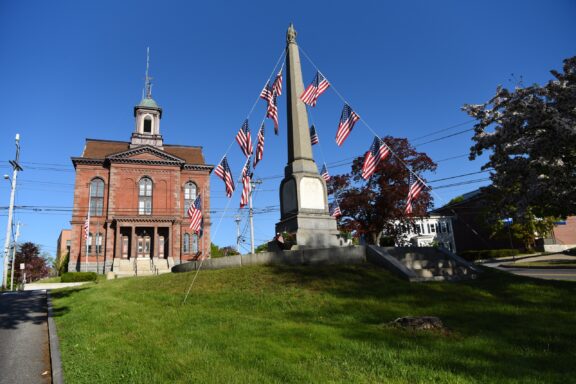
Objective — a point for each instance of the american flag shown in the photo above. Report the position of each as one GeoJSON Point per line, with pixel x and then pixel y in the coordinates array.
{"type": "Point", "coordinates": [347, 121]}
{"type": "Point", "coordinates": [223, 171]}
{"type": "Point", "coordinates": [195, 214]}
{"type": "Point", "coordinates": [313, 135]}
{"type": "Point", "coordinates": [277, 85]}
{"type": "Point", "coordinates": [416, 187]}
{"type": "Point", "coordinates": [324, 173]}
{"type": "Point", "coordinates": [259, 146]}
{"type": "Point", "coordinates": [244, 139]}
{"type": "Point", "coordinates": [246, 186]}
{"type": "Point", "coordinates": [272, 112]}
{"type": "Point", "coordinates": [378, 151]}
{"type": "Point", "coordinates": [86, 227]}
{"type": "Point", "coordinates": [318, 86]}
{"type": "Point", "coordinates": [335, 210]}
{"type": "Point", "coordinates": [266, 93]}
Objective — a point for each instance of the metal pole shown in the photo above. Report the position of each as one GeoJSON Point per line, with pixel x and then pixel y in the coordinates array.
{"type": "Point", "coordinates": [16, 236]}
{"type": "Point", "coordinates": [237, 220]}
{"type": "Point", "coordinates": [251, 215]}
{"type": "Point", "coordinates": [16, 167]}
{"type": "Point", "coordinates": [84, 230]}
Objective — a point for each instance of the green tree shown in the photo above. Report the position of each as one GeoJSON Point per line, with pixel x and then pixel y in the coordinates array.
{"type": "Point", "coordinates": [530, 133]}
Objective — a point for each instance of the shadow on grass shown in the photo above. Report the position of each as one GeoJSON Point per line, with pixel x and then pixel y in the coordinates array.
{"type": "Point", "coordinates": [58, 310]}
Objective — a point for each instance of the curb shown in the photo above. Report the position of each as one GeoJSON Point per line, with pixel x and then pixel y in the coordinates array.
{"type": "Point", "coordinates": [55, 358]}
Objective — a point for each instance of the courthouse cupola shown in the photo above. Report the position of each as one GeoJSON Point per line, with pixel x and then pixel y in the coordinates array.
{"type": "Point", "coordinates": [147, 115]}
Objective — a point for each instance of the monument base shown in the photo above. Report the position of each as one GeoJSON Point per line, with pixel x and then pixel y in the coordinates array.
{"type": "Point", "coordinates": [311, 230]}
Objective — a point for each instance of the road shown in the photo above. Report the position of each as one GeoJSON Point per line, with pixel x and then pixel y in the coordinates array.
{"type": "Point", "coordinates": [544, 273]}
{"type": "Point", "coordinates": [552, 274]}
{"type": "Point", "coordinates": [24, 347]}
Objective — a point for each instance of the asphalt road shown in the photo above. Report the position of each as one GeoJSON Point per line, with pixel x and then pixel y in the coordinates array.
{"type": "Point", "coordinates": [553, 274]}
{"type": "Point", "coordinates": [24, 347]}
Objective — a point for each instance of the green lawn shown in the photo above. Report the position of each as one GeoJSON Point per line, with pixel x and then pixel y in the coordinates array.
{"type": "Point", "coordinates": [316, 325]}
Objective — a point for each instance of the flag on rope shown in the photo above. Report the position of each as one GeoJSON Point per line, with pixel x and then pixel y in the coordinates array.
{"type": "Point", "coordinates": [87, 227]}
{"type": "Point", "coordinates": [223, 171]}
{"type": "Point", "coordinates": [259, 146]}
{"type": "Point", "coordinates": [246, 185]}
{"type": "Point", "coordinates": [277, 85]}
{"type": "Point", "coordinates": [378, 151]}
{"type": "Point", "coordinates": [416, 187]}
{"type": "Point", "coordinates": [272, 112]}
{"type": "Point", "coordinates": [313, 135]}
{"type": "Point", "coordinates": [266, 93]}
{"type": "Point", "coordinates": [324, 173]}
{"type": "Point", "coordinates": [195, 215]}
{"type": "Point", "coordinates": [347, 120]}
{"type": "Point", "coordinates": [318, 86]}
{"type": "Point", "coordinates": [244, 139]}
{"type": "Point", "coordinates": [334, 210]}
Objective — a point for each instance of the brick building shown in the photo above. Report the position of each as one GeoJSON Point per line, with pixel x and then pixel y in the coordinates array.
{"type": "Point", "coordinates": [138, 192]}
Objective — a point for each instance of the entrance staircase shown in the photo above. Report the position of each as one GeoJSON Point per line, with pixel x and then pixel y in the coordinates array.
{"type": "Point", "coordinates": [142, 266]}
{"type": "Point", "coordinates": [422, 263]}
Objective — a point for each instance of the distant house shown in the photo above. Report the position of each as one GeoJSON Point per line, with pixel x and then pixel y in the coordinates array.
{"type": "Point", "coordinates": [471, 233]}
{"type": "Point", "coordinates": [434, 230]}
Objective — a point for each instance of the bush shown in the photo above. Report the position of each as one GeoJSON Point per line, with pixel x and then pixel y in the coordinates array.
{"type": "Point", "coordinates": [74, 277]}
{"type": "Point", "coordinates": [474, 255]}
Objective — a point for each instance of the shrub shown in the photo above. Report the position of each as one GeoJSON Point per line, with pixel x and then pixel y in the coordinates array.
{"type": "Point", "coordinates": [474, 255]}
{"type": "Point", "coordinates": [74, 277]}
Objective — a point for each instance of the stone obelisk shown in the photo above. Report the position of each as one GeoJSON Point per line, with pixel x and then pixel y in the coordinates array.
{"type": "Point", "coordinates": [303, 193]}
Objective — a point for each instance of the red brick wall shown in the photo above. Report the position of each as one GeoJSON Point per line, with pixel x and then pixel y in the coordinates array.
{"type": "Point", "coordinates": [566, 234]}
{"type": "Point", "coordinates": [121, 199]}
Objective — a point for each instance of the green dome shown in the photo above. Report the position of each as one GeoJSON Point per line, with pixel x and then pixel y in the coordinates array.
{"type": "Point", "coordinates": [148, 102]}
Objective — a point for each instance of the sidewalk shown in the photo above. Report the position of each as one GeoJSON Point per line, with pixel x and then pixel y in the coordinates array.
{"type": "Point", "coordinates": [24, 344]}
{"type": "Point", "coordinates": [48, 286]}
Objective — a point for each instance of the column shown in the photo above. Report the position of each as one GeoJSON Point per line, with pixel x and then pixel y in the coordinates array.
{"type": "Point", "coordinates": [133, 240]}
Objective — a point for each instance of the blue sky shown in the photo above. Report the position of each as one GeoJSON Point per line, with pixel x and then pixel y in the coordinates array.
{"type": "Point", "coordinates": [73, 70]}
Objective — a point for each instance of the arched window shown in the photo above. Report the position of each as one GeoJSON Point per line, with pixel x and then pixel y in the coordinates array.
{"type": "Point", "coordinates": [145, 196]}
{"type": "Point", "coordinates": [147, 124]}
{"type": "Point", "coordinates": [189, 195]}
{"type": "Point", "coordinates": [186, 243]}
{"type": "Point", "coordinates": [96, 197]}
{"type": "Point", "coordinates": [194, 243]}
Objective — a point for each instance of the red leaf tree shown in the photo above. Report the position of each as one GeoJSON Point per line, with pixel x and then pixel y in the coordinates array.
{"type": "Point", "coordinates": [35, 265]}
{"type": "Point", "coordinates": [370, 208]}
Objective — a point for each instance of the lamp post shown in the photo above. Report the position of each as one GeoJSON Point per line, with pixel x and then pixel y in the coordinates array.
{"type": "Point", "coordinates": [15, 167]}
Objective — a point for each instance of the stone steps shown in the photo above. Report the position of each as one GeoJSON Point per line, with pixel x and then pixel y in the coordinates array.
{"type": "Point", "coordinates": [423, 263]}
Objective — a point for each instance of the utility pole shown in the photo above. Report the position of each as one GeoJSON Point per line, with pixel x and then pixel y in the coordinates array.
{"type": "Point", "coordinates": [237, 220]}
{"type": "Point", "coordinates": [251, 214]}
{"type": "Point", "coordinates": [16, 236]}
{"type": "Point", "coordinates": [15, 167]}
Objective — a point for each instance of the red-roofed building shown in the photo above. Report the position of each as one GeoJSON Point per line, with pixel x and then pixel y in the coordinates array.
{"type": "Point", "coordinates": [138, 193]}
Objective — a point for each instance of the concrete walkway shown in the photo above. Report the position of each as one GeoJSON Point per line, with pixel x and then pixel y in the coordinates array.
{"type": "Point", "coordinates": [48, 286]}
{"type": "Point", "coordinates": [24, 345]}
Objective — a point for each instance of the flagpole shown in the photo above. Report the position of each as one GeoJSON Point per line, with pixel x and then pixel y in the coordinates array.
{"type": "Point", "coordinates": [88, 221]}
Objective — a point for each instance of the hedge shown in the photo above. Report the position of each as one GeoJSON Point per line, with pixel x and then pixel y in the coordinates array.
{"type": "Point", "coordinates": [487, 254]}
{"type": "Point", "coordinates": [74, 277]}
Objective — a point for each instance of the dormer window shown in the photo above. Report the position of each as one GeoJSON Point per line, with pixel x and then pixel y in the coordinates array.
{"type": "Point", "coordinates": [147, 124]}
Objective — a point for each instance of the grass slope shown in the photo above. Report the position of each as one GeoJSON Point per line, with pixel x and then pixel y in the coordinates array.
{"type": "Point", "coordinates": [315, 324]}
